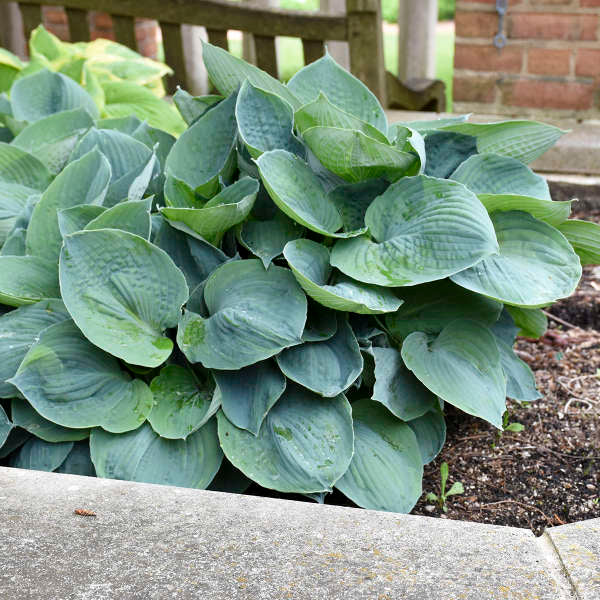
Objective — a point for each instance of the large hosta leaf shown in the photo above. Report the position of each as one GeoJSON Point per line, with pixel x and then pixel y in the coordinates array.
{"type": "Point", "coordinates": [247, 395]}
{"type": "Point", "coordinates": [462, 365]}
{"type": "Point", "coordinates": [122, 292]}
{"type": "Point", "coordinates": [202, 152]}
{"type": "Point", "coordinates": [446, 150]}
{"type": "Point", "coordinates": [431, 306]}
{"type": "Point", "coordinates": [424, 229]}
{"type": "Point", "coordinates": [430, 430]}
{"type": "Point", "coordinates": [19, 329]}
{"type": "Point", "coordinates": [549, 211]}
{"type": "Point", "coordinates": [535, 266]}
{"type": "Point", "coordinates": [265, 121]}
{"type": "Point", "coordinates": [309, 262]}
{"type": "Point", "coordinates": [71, 220]}
{"type": "Point", "coordinates": [21, 168]}
{"type": "Point", "coordinates": [520, 381]}
{"type": "Point", "coordinates": [132, 216]}
{"type": "Point", "coordinates": [531, 322]}
{"type": "Point", "coordinates": [40, 456]}
{"type": "Point", "coordinates": [387, 468]}
{"type": "Point", "coordinates": [78, 461]}
{"type": "Point", "coordinates": [27, 279]}
{"type": "Point", "coordinates": [228, 73]}
{"type": "Point", "coordinates": [523, 140]}
{"type": "Point", "coordinates": [397, 388]}
{"type": "Point", "coordinates": [53, 138]}
{"type": "Point", "coordinates": [45, 93]}
{"type": "Point", "coordinates": [328, 367]}
{"type": "Point", "coordinates": [353, 200]}
{"type": "Point", "coordinates": [354, 157]}
{"type": "Point", "coordinates": [343, 90]}
{"type": "Point", "coordinates": [585, 239]}
{"type": "Point", "coordinates": [254, 314]}
{"type": "Point", "coordinates": [181, 403]}
{"type": "Point", "coordinates": [5, 427]}
{"type": "Point", "coordinates": [25, 416]}
{"type": "Point", "coordinates": [224, 211]}
{"type": "Point", "coordinates": [142, 455]}
{"type": "Point", "coordinates": [13, 202]}
{"type": "Point", "coordinates": [304, 444]}
{"type": "Point", "coordinates": [298, 192]}
{"type": "Point", "coordinates": [191, 108]}
{"type": "Point", "coordinates": [83, 181]}
{"type": "Point", "coordinates": [74, 384]}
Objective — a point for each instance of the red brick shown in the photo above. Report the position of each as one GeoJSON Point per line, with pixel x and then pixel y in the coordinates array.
{"type": "Point", "coordinates": [548, 94]}
{"type": "Point", "coordinates": [474, 89]}
{"type": "Point", "coordinates": [476, 24]}
{"type": "Point", "coordinates": [101, 20]}
{"type": "Point", "coordinates": [546, 61]}
{"type": "Point", "coordinates": [554, 2]}
{"type": "Point", "coordinates": [488, 58]}
{"type": "Point", "coordinates": [588, 62]}
{"type": "Point", "coordinates": [552, 26]}
{"type": "Point", "coordinates": [54, 15]}
{"type": "Point", "coordinates": [590, 3]}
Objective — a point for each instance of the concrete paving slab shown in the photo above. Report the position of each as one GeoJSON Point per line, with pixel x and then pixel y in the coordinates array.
{"type": "Point", "coordinates": [156, 542]}
{"type": "Point", "coordinates": [578, 545]}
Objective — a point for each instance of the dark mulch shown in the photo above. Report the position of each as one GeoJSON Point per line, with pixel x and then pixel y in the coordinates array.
{"type": "Point", "coordinates": [548, 474]}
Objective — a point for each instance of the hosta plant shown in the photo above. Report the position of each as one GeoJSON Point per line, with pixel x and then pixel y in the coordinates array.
{"type": "Point", "coordinates": [119, 81]}
{"type": "Point", "coordinates": [290, 294]}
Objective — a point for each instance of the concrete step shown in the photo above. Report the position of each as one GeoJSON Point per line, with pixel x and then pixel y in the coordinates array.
{"type": "Point", "coordinates": [156, 542]}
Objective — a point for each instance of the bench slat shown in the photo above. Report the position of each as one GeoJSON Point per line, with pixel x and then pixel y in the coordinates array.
{"type": "Point", "coordinates": [79, 28]}
{"type": "Point", "coordinates": [174, 56]}
{"type": "Point", "coordinates": [266, 54]}
{"type": "Point", "coordinates": [313, 50]}
{"type": "Point", "coordinates": [124, 28]}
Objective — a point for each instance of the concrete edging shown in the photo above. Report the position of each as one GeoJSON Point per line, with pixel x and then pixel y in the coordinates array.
{"type": "Point", "coordinates": [150, 541]}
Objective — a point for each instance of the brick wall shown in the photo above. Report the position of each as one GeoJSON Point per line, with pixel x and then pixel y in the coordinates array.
{"type": "Point", "coordinates": [147, 32]}
{"type": "Point", "coordinates": [549, 67]}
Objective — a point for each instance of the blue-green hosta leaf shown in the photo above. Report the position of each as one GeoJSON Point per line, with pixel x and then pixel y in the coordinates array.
{"type": "Point", "coordinates": [247, 395]}
{"type": "Point", "coordinates": [341, 88]}
{"type": "Point", "coordinates": [321, 323]}
{"type": "Point", "coordinates": [505, 328]}
{"type": "Point", "coordinates": [412, 141]}
{"type": "Point", "coordinates": [45, 93]}
{"type": "Point", "coordinates": [328, 367]}
{"type": "Point", "coordinates": [126, 124]}
{"type": "Point", "coordinates": [254, 314]}
{"type": "Point", "coordinates": [304, 444]}
{"type": "Point", "coordinates": [462, 365]}
{"type": "Point", "coordinates": [15, 243]}
{"type": "Point", "coordinates": [27, 279]}
{"type": "Point", "coordinates": [76, 218]}
{"type": "Point", "coordinates": [40, 456]}
{"type": "Point", "coordinates": [83, 181]}
{"type": "Point", "coordinates": [446, 150]}
{"type": "Point", "coordinates": [53, 138]}
{"type": "Point", "coordinates": [25, 416]}
{"type": "Point", "coordinates": [321, 113]}
{"type": "Point", "coordinates": [431, 306]}
{"type": "Point", "coordinates": [297, 191]}
{"type": "Point", "coordinates": [354, 157]}
{"type": "Point", "coordinates": [181, 404]}
{"type": "Point", "coordinates": [309, 262]}
{"type": "Point", "coordinates": [16, 437]}
{"type": "Point", "coordinates": [523, 140]}
{"type": "Point", "coordinates": [224, 211]}
{"type": "Point", "coordinates": [122, 292]}
{"type": "Point", "coordinates": [228, 73]}
{"type": "Point", "coordinates": [191, 108]}
{"type": "Point", "coordinates": [74, 384]}
{"type": "Point", "coordinates": [386, 470]}
{"type": "Point", "coordinates": [229, 480]}
{"type": "Point", "coordinates": [432, 124]}
{"type": "Point", "coordinates": [535, 266]}
{"type": "Point", "coordinates": [78, 461]}
{"type": "Point", "coordinates": [430, 430]}
{"type": "Point", "coordinates": [532, 322]}
{"type": "Point", "coordinates": [20, 167]}
{"type": "Point", "coordinates": [142, 455]}
{"type": "Point", "coordinates": [265, 121]}
{"type": "Point", "coordinates": [132, 216]}
{"type": "Point", "coordinates": [549, 211]}
{"type": "Point", "coordinates": [424, 229]}
{"type": "Point", "coordinates": [353, 199]}
{"type": "Point", "coordinates": [5, 427]}
{"type": "Point", "coordinates": [495, 174]}
{"type": "Point", "coordinates": [19, 329]}
{"type": "Point", "coordinates": [123, 98]}
{"type": "Point", "coordinates": [520, 381]}
{"type": "Point", "coordinates": [202, 152]}
{"type": "Point", "coordinates": [267, 239]}
{"type": "Point", "coordinates": [13, 201]}
{"type": "Point", "coordinates": [397, 388]}
{"type": "Point", "coordinates": [585, 239]}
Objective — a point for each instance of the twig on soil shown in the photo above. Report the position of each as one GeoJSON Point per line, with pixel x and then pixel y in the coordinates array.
{"type": "Point", "coordinates": [528, 506]}
{"type": "Point", "coordinates": [559, 320]}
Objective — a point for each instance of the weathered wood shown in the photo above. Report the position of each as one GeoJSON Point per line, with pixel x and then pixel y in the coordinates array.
{"type": "Point", "coordinates": [174, 56]}
{"type": "Point", "coordinates": [365, 39]}
{"type": "Point", "coordinates": [214, 14]}
{"type": "Point", "coordinates": [416, 94]}
{"type": "Point", "coordinates": [124, 28]}
{"type": "Point", "coordinates": [11, 30]}
{"type": "Point", "coordinates": [313, 50]}
{"type": "Point", "coordinates": [218, 37]}
{"type": "Point", "coordinates": [416, 39]}
{"type": "Point", "coordinates": [266, 55]}
{"type": "Point", "coordinates": [32, 17]}
{"type": "Point", "coordinates": [79, 27]}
